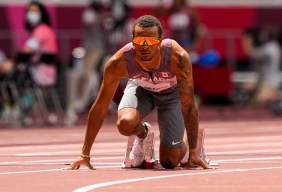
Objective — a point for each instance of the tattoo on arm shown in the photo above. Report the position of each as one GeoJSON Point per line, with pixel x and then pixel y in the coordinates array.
{"type": "Point", "coordinates": [189, 110]}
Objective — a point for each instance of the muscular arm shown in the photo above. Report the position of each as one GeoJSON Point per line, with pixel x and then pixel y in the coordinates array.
{"type": "Point", "coordinates": [112, 74]}
{"type": "Point", "coordinates": [114, 70]}
{"type": "Point", "coordinates": [189, 109]}
{"type": "Point", "coordinates": [183, 69]}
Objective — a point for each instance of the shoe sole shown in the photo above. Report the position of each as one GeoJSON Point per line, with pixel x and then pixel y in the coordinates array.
{"type": "Point", "coordinates": [149, 147]}
{"type": "Point", "coordinates": [127, 163]}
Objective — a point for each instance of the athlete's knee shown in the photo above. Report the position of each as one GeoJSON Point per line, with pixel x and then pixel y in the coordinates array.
{"type": "Point", "coordinates": [125, 125]}
{"type": "Point", "coordinates": [169, 157]}
{"type": "Point", "coordinates": [169, 163]}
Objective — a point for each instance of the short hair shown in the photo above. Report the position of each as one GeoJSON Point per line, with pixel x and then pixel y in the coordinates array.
{"type": "Point", "coordinates": [148, 21]}
{"type": "Point", "coordinates": [44, 14]}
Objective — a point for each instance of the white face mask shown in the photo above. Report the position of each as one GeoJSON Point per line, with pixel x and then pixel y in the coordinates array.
{"type": "Point", "coordinates": [33, 18]}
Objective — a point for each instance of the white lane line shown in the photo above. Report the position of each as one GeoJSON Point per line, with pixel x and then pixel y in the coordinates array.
{"type": "Point", "coordinates": [248, 138]}
{"type": "Point", "coordinates": [61, 153]}
{"type": "Point", "coordinates": [41, 146]}
{"type": "Point", "coordinates": [96, 152]}
{"type": "Point", "coordinates": [62, 146]}
{"type": "Point", "coordinates": [114, 164]}
{"type": "Point", "coordinates": [56, 160]}
{"type": "Point", "coordinates": [121, 157]}
{"type": "Point", "coordinates": [52, 170]}
{"type": "Point", "coordinates": [248, 159]}
{"type": "Point", "coordinates": [106, 184]}
{"type": "Point", "coordinates": [243, 145]}
{"type": "Point", "coordinates": [35, 171]}
{"type": "Point", "coordinates": [246, 152]}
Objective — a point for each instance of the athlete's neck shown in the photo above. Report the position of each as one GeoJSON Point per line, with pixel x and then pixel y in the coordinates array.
{"type": "Point", "coordinates": [151, 65]}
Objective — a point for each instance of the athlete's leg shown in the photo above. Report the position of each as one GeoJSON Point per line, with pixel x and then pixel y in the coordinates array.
{"type": "Point", "coordinates": [129, 122]}
{"type": "Point", "coordinates": [171, 124]}
{"type": "Point", "coordinates": [170, 157]}
{"type": "Point", "coordinates": [135, 104]}
{"type": "Point", "coordinates": [91, 78]}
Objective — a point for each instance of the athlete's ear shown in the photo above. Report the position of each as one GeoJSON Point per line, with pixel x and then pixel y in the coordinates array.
{"type": "Point", "coordinates": [161, 39]}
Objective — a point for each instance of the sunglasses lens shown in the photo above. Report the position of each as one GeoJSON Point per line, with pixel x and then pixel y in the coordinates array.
{"type": "Point", "coordinates": [146, 40]}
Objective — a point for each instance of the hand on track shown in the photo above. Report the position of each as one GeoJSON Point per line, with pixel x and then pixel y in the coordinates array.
{"type": "Point", "coordinates": [196, 161]}
{"type": "Point", "coordinates": [80, 161]}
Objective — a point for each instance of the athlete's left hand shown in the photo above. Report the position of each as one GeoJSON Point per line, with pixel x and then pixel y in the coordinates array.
{"type": "Point", "coordinates": [195, 161]}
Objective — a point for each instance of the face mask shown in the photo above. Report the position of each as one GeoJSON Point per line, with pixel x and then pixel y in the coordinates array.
{"type": "Point", "coordinates": [33, 18]}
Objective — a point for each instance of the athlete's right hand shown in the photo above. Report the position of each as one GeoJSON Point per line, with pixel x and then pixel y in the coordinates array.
{"type": "Point", "coordinates": [78, 162]}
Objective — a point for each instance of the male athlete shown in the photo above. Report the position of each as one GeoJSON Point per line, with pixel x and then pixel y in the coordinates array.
{"type": "Point", "coordinates": [160, 76]}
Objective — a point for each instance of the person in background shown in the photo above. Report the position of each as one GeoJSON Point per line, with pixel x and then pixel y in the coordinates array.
{"type": "Point", "coordinates": [84, 76]}
{"type": "Point", "coordinates": [184, 24]}
{"type": "Point", "coordinates": [120, 10]}
{"type": "Point", "coordinates": [264, 51]}
{"type": "Point", "coordinates": [41, 40]}
{"type": "Point", "coordinates": [6, 66]}
{"type": "Point", "coordinates": [117, 25]}
{"type": "Point", "coordinates": [118, 32]}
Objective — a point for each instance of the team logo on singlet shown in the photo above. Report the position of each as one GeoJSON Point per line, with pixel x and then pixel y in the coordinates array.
{"type": "Point", "coordinates": [165, 74]}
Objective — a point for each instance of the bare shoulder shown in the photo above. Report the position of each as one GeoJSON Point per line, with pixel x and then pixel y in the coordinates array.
{"type": "Point", "coordinates": [180, 59]}
{"type": "Point", "coordinates": [116, 66]}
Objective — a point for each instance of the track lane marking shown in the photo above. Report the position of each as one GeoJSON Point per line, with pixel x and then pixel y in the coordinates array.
{"type": "Point", "coordinates": [113, 164]}
{"type": "Point", "coordinates": [106, 184]}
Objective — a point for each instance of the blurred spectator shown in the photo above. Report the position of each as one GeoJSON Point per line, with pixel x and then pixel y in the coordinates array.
{"type": "Point", "coordinates": [120, 12]}
{"type": "Point", "coordinates": [41, 41]}
{"type": "Point", "coordinates": [6, 65]}
{"type": "Point", "coordinates": [5, 68]}
{"type": "Point", "coordinates": [184, 24]}
{"type": "Point", "coordinates": [84, 75]}
{"type": "Point", "coordinates": [263, 49]}
{"type": "Point", "coordinates": [117, 25]}
{"type": "Point", "coordinates": [118, 28]}
{"type": "Point", "coordinates": [161, 11]}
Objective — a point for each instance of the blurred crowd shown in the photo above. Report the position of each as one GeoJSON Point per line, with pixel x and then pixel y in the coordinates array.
{"type": "Point", "coordinates": [28, 79]}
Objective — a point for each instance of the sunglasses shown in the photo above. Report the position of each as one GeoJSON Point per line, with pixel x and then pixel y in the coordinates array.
{"type": "Point", "coordinates": [146, 40]}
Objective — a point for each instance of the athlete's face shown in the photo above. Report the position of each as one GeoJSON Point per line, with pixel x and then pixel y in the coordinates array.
{"type": "Point", "coordinates": [146, 42]}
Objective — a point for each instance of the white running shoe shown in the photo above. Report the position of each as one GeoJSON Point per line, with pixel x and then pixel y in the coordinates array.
{"type": "Point", "coordinates": [137, 154]}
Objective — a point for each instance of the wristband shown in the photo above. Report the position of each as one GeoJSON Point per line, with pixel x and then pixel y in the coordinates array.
{"type": "Point", "coordinates": [84, 156]}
